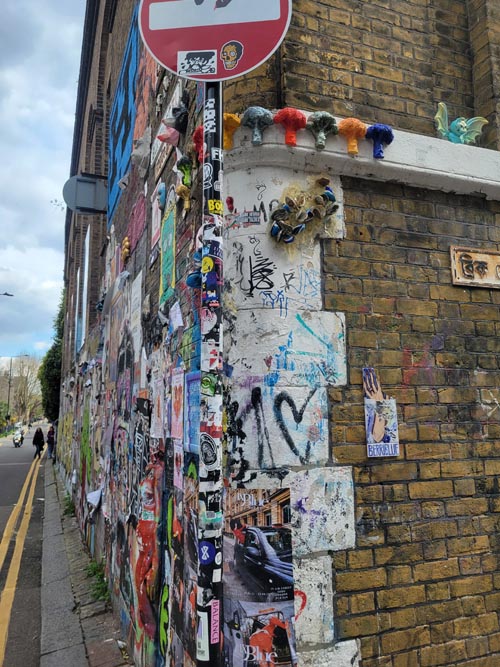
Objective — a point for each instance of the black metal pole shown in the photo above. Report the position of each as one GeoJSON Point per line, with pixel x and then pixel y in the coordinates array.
{"type": "Point", "coordinates": [210, 524]}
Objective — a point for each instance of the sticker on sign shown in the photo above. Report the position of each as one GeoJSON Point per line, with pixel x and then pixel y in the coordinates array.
{"type": "Point", "coordinates": [213, 40]}
{"type": "Point", "coordinates": [174, 14]}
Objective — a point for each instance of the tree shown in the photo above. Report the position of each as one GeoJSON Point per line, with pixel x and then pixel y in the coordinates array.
{"type": "Point", "coordinates": [27, 395]}
{"type": "Point", "coordinates": [49, 372]}
{"type": "Point", "coordinates": [4, 411]}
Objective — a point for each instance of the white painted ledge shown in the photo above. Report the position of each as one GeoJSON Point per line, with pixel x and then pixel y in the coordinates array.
{"type": "Point", "coordinates": [411, 159]}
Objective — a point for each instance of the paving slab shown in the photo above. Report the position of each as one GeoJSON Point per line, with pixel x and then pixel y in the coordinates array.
{"type": "Point", "coordinates": [76, 630]}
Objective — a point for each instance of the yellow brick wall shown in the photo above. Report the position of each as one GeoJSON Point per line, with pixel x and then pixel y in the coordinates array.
{"type": "Point", "coordinates": [422, 586]}
{"type": "Point", "coordinates": [384, 61]}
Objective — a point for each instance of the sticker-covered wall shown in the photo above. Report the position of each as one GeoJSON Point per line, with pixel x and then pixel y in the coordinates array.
{"type": "Point", "coordinates": [283, 353]}
{"type": "Point", "coordinates": [278, 417]}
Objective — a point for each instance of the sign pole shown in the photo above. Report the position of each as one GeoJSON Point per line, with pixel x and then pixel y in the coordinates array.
{"type": "Point", "coordinates": [210, 525]}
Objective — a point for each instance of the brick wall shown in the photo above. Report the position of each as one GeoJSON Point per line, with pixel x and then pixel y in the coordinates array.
{"type": "Point", "coordinates": [422, 587]}
{"type": "Point", "coordinates": [484, 22]}
{"type": "Point", "coordinates": [389, 62]}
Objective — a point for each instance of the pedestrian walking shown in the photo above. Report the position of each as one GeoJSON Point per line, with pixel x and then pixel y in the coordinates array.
{"type": "Point", "coordinates": [38, 442]}
{"type": "Point", "coordinates": [51, 441]}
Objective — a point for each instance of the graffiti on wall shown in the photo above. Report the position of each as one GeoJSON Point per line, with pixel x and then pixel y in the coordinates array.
{"type": "Point", "coordinates": [167, 241]}
{"type": "Point", "coordinates": [260, 278]}
{"type": "Point", "coordinates": [277, 410]}
{"type": "Point", "coordinates": [171, 405]}
{"type": "Point", "coordinates": [122, 119]}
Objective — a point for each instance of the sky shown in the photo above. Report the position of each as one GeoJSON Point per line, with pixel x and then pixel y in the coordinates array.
{"type": "Point", "coordinates": [40, 45]}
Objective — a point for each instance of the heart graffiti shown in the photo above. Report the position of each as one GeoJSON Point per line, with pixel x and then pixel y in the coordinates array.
{"type": "Point", "coordinates": [298, 416]}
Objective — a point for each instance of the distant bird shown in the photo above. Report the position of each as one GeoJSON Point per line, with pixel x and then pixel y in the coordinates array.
{"type": "Point", "coordinates": [6, 294]}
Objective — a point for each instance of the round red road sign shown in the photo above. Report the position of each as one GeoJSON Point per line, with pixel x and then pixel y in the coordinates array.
{"type": "Point", "coordinates": [213, 40]}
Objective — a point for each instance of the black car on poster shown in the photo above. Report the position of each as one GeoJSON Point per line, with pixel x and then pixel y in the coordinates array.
{"type": "Point", "coordinates": [263, 559]}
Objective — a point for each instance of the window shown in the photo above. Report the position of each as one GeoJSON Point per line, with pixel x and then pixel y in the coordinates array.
{"type": "Point", "coordinates": [268, 519]}
{"type": "Point", "coordinates": [286, 513]}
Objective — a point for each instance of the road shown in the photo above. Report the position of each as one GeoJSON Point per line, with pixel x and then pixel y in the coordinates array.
{"type": "Point", "coordinates": [21, 515]}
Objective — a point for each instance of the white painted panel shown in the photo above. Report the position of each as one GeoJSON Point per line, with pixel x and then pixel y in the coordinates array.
{"type": "Point", "coordinates": [344, 654]}
{"type": "Point", "coordinates": [274, 427]}
{"type": "Point", "coordinates": [322, 510]}
{"type": "Point", "coordinates": [306, 349]}
{"type": "Point", "coordinates": [313, 601]}
{"type": "Point", "coordinates": [260, 273]}
{"type": "Point", "coordinates": [257, 190]}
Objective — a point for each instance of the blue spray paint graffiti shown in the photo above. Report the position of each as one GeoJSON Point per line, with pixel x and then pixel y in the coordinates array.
{"type": "Point", "coordinates": [122, 120]}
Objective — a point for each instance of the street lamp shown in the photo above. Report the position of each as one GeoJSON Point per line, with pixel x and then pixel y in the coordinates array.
{"type": "Point", "coordinates": [17, 356]}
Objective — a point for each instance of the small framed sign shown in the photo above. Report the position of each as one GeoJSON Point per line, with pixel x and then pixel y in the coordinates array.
{"type": "Point", "coordinates": [473, 267]}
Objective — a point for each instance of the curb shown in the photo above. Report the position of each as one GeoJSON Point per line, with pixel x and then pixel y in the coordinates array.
{"type": "Point", "coordinates": [76, 629]}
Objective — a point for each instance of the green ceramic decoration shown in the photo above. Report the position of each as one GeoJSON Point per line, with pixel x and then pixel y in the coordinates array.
{"type": "Point", "coordinates": [461, 130]}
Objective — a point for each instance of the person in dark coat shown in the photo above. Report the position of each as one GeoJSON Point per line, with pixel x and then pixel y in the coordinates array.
{"type": "Point", "coordinates": [51, 442]}
{"type": "Point", "coordinates": [38, 442]}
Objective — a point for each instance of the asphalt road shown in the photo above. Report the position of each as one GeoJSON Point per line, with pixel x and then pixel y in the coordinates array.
{"type": "Point", "coordinates": [20, 596]}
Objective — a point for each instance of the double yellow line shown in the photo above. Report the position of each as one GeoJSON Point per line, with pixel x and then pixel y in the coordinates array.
{"type": "Point", "coordinates": [9, 590]}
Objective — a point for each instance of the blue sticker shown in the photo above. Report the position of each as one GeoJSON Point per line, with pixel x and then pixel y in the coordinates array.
{"type": "Point", "coordinates": [207, 553]}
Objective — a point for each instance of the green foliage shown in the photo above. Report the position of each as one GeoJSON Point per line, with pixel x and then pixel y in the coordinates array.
{"type": "Point", "coordinates": [69, 506]}
{"type": "Point", "coordinates": [99, 586]}
{"type": "Point", "coordinates": [49, 373]}
{"type": "Point", "coordinates": [93, 568]}
{"type": "Point", "coordinates": [3, 414]}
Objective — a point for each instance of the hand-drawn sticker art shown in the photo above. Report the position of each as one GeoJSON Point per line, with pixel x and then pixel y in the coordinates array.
{"type": "Point", "coordinates": [381, 418]}
{"type": "Point", "coordinates": [191, 63]}
{"type": "Point", "coordinates": [231, 54]}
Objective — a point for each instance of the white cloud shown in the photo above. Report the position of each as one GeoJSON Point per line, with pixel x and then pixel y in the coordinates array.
{"type": "Point", "coordinates": [40, 43]}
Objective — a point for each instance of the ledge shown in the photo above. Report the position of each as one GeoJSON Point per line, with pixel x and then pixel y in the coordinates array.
{"type": "Point", "coordinates": [411, 159]}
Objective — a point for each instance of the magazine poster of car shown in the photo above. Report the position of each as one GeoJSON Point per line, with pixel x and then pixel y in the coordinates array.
{"type": "Point", "coordinates": [381, 418]}
{"type": "Point", "coordinates": [258, 579]}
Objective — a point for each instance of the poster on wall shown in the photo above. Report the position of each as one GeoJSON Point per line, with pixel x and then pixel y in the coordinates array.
{"type": "Point", "coordinates": [135, 314]}
{"type": "Point", "coordinates": [178, 464]}
{"type": "Point", "coordinates": [381, 418]}
{"type": "Point", "coordinates": [192, 391]}
{"type": "Point", "coordinates": [156, 210]}
{"type": "Point", "coordinates": [167, 242]}
{"type": "Point", "coordinates": [258, 578]}
{"type": "Point", "coordinates": [177, 391]}
{"type": "Point", "coordinates": [158, 404]}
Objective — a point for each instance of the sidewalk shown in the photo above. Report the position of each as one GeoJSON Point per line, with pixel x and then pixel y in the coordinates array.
{"type": "Point", "coordinates": [76, 630]}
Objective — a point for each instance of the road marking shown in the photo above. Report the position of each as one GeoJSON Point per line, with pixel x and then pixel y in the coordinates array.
{"type": "Point", "coordinates": [11, 523]}
{"type": "Point", "coordinates": [8, 593]}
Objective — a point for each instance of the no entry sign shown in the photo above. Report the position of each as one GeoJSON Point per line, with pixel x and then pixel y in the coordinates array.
{"type": "Point", "coordinates": [213, 40]}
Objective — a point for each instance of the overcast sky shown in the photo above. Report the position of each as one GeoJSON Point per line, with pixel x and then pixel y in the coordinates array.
{"type": "Point", "coordinates": [40, 45]}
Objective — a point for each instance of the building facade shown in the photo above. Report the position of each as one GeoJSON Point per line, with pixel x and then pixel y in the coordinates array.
{"type": "Point", "coordinates": [350, 303]}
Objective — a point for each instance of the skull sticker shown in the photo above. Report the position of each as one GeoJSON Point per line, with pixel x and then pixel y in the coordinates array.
{"type": "Point", "coordinates": [231, 54]}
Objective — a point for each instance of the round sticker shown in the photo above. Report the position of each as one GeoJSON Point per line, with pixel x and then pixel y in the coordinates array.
{"type": "Point", "coordinates": [207, 553]}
